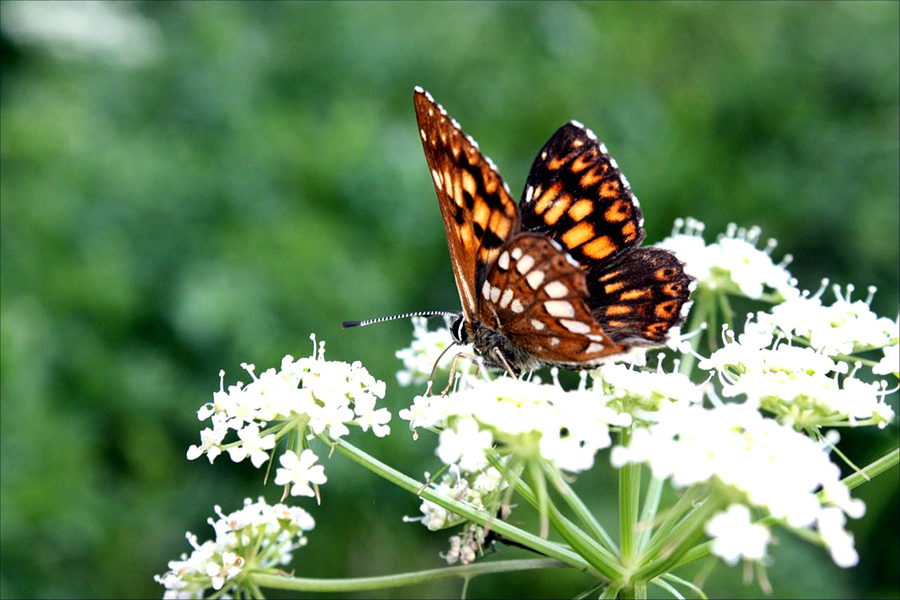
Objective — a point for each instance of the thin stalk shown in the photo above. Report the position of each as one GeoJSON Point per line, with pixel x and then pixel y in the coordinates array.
{"type": "Point", "coordinates": [648, 512]}
{"type": "Point", "coordinates": [573, 501]}
{"type": "Point", "coordinates": [357, 584]}
{"type": "Point", "coordinates": [681, 539]}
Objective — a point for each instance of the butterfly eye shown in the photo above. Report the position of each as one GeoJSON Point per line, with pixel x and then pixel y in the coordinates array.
{"type": "Point", "coordinates": [458, 330]}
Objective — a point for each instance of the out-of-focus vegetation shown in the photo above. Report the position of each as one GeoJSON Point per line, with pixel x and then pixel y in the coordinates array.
{"type": "Point", "coordinates": [189, 186]}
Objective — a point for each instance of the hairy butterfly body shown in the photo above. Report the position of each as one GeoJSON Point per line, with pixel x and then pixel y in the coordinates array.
{"type": "Point", "coordinates": [558, 279]}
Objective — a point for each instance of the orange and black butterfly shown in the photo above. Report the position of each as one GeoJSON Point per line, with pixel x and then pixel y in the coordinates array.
{"type": "Point", "coordinates": [559, 279]}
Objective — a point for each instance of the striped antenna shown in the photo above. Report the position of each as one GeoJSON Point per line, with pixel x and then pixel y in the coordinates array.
{"type": "Point", "coordinates": [425, 313]}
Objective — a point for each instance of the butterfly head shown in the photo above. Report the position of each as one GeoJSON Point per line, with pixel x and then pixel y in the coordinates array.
{"type": "Point", "coordinates": [459, 330]}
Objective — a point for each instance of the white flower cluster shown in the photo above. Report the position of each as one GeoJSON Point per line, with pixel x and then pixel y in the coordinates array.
{"type": "Point", "coordinates": [423, 353]}
{"type": "Point", "coordinates": [805, 386]}
{"type": "Point", "coordinates": [772, 465]}
{"type": "Point", "coordinates": [254, 538]}
{"type": "Point", "coordinates": [641, 393]}
{"type": "Point", "coordinates": [308, 396]}
{"type": "Point", "coordinates": [534, 419]}
{"type": "Point", "coordinates": [845, 327]}
{"type": "Point", "coordinates": [478, 489]}
{"type": "Point", "coordinates": [733, 262]}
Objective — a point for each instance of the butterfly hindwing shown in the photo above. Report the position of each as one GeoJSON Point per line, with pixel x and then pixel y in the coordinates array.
{"type": "Point", "coordinates": [576, 195]}
{"type": "Point", "coordinates": [537, 297]}
{"type": "Point", "coordinates": [638, 300]}
{"type": "Point", "coordinates": [478, 212]}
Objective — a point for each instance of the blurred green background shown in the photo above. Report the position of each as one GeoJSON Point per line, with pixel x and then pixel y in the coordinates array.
{"type": "Point", "coordinates": [189, 186]}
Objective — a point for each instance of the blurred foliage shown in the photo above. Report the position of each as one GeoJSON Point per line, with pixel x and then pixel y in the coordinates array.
{"type": "Point", "coordinates": [189, 186]}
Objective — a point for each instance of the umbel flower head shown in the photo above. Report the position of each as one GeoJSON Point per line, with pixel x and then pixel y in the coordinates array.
{"type": "Point", "coordinates": [306, 397]}
{"type": "Point", "coordinates": [255, 538]}
{"type": "Point", "coordinates": [733, 262]}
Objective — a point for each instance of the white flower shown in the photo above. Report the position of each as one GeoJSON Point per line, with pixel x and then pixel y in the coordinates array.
{"type": "Point", "coordinates": [300, 472]}
{"type": "Point", "coordinates": [839, 541]}
{"type": "Point", "coordinates": [890, 363]}
{"type": "Point", "coordinates": [220, 573]}
{"type": "Point", "coordinates": [252, 445]}
{"type": "Point", "coordinates": [367, 416]}
{"type": "Point", "coordinates": [735, 536]}
{"type": "Point", "coordinates": [210, 444]}
{"type": "Point", "coordinates": [466, 444]}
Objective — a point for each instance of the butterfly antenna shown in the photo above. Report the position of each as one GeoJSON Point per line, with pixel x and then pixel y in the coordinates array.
{"type": "Point", "coordinates": [426, 313]}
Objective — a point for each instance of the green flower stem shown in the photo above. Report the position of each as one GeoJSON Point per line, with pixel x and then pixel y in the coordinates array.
{"type": "Point", "coordinates": [673, 515]}
{"type": "Point", "coordinates": [357, 584]}
{"type": "Point", "coordinates": [870, 471]}
{"type": "Point", "coordinates": [415, 487]}
{"type": "Point", "coordinates": [581, 511]}
{"type": "Point", "coordinates": [606, 564]}
{"type": "Point", "coordinates": [629, 501]}
{"type": "Point", "coordinates": [648, 513]}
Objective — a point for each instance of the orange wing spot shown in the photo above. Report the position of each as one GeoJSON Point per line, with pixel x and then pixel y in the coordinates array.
{"type": "Point", "coordinates": [481, 213]}
{"type": "Point", "coordinates": [577, 235]}
{"type": "Point", "coordinates": [593, 176]}
{"type": "Point", "coordinates": [499, 224]}
{"type": "Point", "coordinates": [629, 232]}
{"type": "Point", "coordinates": [611, 275]}
{"type": "Point", "coordinates": [558, 162]}
{"type": "Point", "coordinates": [617, 324]}
{"type": "Point", "coordinates": [634, 294]}
{"type": "Point", "coordinates": [673, 289]}
{"type": "Point", "coordinates": [465, 234]}
{"type": "Point", "coordinates": [618, 309]}
{"type": "Point", "coordinates": [664, 274]}
{"type": "Point", "coordinates": [583, 162]}
{"type": "Point", "coordinates": [547, 197]}
{"type": "Point", "coordinates": [581, 209]}
{"type": "Point", "coordinates": [656, 329]}
{"type": "Point", "coordinates": [557, 209]}
{"type": "Point", "coordinates": [665, 310]}
{"type": "Point", "coordinates": [618, 211]}
{"type": "Point", "coordinates": [449, 184]}
{"type": "Point", "coordinates": [491, 181]}
{"type": "Point", "coordinates": [609, 189]}
{"type": "Point", "coordinates": [600, 247]}
{"type": "Point", "coordinates": [612, 287]}
{"type": "Point", "coordinates": [468, 183]}
{"type": "Point", "coordinates": [455, 145]}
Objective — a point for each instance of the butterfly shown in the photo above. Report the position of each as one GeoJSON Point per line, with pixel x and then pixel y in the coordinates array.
{"type": "Point", "coordinates": [560, 279]}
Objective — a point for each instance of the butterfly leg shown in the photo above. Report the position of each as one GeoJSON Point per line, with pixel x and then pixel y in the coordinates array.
{"type": "Point", "coordinates": [502, 358]}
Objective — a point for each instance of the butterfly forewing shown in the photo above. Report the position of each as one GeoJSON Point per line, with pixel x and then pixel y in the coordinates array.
{"type": "Point", "coordinates": [576, 195]}
{"type": "Point", "coordinates": [479, 213]}
{"type": "Point", "coordinates": [536, 296]}
{"type": "Point", "coordinates": [638, 300]}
